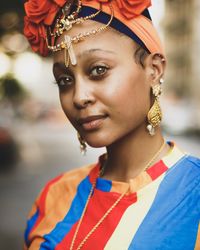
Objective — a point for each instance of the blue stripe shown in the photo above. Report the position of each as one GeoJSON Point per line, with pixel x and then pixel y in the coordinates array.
{"type": "Point", "coordinates": [74, 214]}
{"type": "Point", "coordinates": [104, 185]}
{"type": "Point", "coordinates": [172, 221]}
{"type": "Point", "coordinates": [30, 224]}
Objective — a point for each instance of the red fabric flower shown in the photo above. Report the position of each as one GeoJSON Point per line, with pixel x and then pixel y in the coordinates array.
{"type": "Point", "coordinates": [128, 8]}
{"type": "Point", "coordinates": [40, 13]}
{"type": "Point", "coordinates": [132, 8]}
{"type": "Point", "coordinates": [36, 35]}
{"type": "Point", "coordinates": [43, 10]}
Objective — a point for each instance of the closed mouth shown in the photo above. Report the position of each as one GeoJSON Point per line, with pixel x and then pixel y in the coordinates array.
{"type": "Point", "coordinates": [92, 118]}
{"type": "Point", "coordinates": [91, 122]}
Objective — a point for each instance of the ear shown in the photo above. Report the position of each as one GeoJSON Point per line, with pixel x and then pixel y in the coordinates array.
{"type": "Point", "coordinates": [155, 65]}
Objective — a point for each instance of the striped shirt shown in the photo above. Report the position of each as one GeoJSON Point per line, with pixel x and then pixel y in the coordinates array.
{"type": "Point", "coordinates": [160, 212]}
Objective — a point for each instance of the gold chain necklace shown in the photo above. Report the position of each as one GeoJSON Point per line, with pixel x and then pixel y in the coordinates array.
{"type": "Point", "coordinates": [110, 209]}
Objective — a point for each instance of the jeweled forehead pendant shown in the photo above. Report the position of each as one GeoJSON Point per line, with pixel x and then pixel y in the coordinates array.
{"type": "Point", "coordinates": [69, 52]}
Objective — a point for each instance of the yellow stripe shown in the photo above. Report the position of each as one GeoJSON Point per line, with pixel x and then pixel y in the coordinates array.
{"type": "Point", "coordinates": [133, 217]}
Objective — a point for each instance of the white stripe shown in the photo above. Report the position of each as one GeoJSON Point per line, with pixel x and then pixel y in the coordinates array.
{"type": "Point", "coordinates": [174, 156]}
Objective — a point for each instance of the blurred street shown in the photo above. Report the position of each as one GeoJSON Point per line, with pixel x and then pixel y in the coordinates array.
{"type": "Point", "coordinates": [47, 149]}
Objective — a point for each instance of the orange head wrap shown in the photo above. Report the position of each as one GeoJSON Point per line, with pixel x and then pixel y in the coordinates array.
{"type": "Point", "coordinates": [131, 17]}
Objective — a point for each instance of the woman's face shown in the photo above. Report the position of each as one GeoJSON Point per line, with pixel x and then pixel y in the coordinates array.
{"type": "Point", "coordinates": [106, 96]}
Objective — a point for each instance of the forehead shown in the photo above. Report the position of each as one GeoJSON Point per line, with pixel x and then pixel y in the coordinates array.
{"type": "Point", "coordinates": [108, 40]}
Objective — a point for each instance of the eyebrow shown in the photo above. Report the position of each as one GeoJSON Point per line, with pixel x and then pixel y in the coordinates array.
{"type": "Point", "coordinates": [61, 65]}
{"type": "Point", "coordinates": [90, 51]}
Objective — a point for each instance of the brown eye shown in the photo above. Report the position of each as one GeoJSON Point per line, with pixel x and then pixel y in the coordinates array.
{"type": "Point", "coordinates": [98, 71]}
{"type": "Point", "coordinates": [65, 81]}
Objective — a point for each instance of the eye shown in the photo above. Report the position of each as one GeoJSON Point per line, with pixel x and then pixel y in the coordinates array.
{"type": "Point", "coordinates": [98, 71]}
{"type": "Point", "coordinates": [65, 81]}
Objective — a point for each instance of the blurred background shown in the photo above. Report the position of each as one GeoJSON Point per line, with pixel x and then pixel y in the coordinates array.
{"type": "Point", "coordinates": [37, 142]}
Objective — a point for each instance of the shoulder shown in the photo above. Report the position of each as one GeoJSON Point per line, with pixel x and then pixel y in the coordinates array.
{"type": "Point", "coordinates": [53, 203]}
{"type": "Point", "coordinates": [192, 164]}
{"type": "Point", "coordinates": [182, 164]}
{"type": "Point", "coordinates": [186, 175]}
{"type": "Point", "coordinates": [72, 176]}
{"type": "Point", "coordinates": [64, 185]}
{"type": "Point", "coordinates": [188, 166]}
{"type": "Point", "coordinates": [65, 182]}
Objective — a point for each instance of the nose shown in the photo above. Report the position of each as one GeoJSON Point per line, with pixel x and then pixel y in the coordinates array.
{"type": "Point", "coordinates": [83, 95]}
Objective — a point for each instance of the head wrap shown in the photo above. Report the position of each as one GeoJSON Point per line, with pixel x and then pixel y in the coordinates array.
{"type": "Point", "coordinates": [131, 17]}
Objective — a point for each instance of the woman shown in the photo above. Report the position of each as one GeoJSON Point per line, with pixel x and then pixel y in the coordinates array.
{"type": "Point", "coordinates": [109, 66]}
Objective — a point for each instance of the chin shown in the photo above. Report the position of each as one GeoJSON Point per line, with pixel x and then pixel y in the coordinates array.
{"type": "Point", "coordinates": [97, 140]}
{"type": "Point", "coordinates": [96, 144]}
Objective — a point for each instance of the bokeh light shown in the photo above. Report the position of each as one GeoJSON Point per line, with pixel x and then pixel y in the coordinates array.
{"type": "Point", "coordinates": [5, 64]}
{"type": "Point", "coordinates": [9, 20]}
{"type": "Point", "coordinates": [27, 69]}
{"type": "Point", "coordinates": [14, 42]}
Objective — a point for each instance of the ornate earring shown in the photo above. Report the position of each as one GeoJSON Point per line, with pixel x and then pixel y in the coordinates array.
{"type": "Point", "coordinates": [154, 115]}
{"type": "Point", "coordinates": [83, 145]}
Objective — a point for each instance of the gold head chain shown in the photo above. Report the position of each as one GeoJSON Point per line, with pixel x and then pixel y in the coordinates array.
{"type": "Point", "coordinates": [67, 23]}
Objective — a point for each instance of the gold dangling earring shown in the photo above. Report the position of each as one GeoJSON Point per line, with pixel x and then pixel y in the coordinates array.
{"type": "Point", "coordinates": [83, 145]}
{"type": "Point", "coordinates": [154, 115]}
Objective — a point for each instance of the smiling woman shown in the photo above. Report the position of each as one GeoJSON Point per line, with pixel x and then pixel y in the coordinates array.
{"type": "Point", "coordinates": [109, 66]}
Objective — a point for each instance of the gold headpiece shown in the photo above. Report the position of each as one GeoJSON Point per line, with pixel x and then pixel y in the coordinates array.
{"type": "Point", "coordinates": [65, 23]}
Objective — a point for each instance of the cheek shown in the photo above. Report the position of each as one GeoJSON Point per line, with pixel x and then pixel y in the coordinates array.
{"type": "Point", "coordinates": [128, 91]}
{"type": "Point", "coordinates": [66, 105]}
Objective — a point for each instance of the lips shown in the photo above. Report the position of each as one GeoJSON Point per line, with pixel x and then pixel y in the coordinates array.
{"type": "Point", "coordinates": [91, 122]}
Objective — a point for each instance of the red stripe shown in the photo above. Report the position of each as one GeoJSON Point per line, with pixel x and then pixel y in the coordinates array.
{"type": "Point", "coordinates": [42, 201]}
{"type": "Point", "coordinates": [98, 206]}
{"type": "Point", "coordinates": [94, 173]}
{"type": "Point", "coordinates": [157, 169]}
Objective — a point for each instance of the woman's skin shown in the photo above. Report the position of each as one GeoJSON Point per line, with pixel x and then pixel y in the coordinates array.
{"type": "Point", "coordinates": [107, 96]}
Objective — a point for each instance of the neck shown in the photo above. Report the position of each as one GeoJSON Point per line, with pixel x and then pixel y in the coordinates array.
{"type": "Point", "coordinates": [129, 156]}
